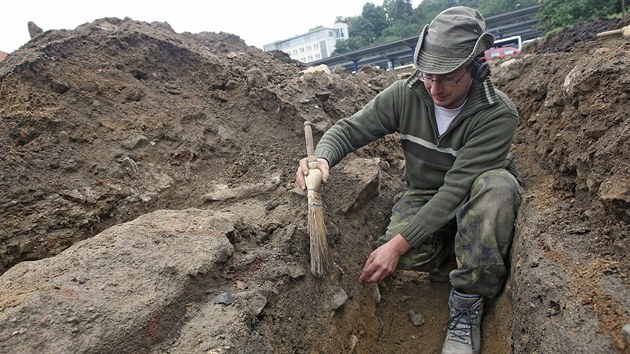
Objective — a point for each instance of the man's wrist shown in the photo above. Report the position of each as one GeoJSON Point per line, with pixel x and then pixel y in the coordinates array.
{"type": "Point", "coordinates": [400, 244]}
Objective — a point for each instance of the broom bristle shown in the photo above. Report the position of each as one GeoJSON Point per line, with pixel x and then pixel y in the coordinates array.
{"type": "Point", "coordinates": [320, 258]}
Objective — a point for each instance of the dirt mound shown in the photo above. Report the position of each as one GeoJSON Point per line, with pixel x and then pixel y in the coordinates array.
{"type": "Point", "coordinates": [119, 118]}
{"type": "Point", "coordinates": [572, 38]}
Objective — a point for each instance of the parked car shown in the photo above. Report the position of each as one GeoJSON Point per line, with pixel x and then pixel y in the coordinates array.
{"type": "Point", "coordinates": [496, 53]}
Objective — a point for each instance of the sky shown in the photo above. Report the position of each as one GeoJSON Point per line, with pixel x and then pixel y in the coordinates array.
{"type": "Point", "coordinates": [256, 22]}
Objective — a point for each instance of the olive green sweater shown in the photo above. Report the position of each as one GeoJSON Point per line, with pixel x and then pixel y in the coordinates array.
{"type": "Point", "coordinates": [444, 167]}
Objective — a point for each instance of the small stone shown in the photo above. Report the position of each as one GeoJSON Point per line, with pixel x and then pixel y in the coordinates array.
{"type": "Point", "coordinates": [271, 205]}
{"type": "Point", "coordinates": [339, 299]}
{"type": "Point", "coordinates": [59, 86]}
{"type": "Point", "coordinates": [257, 305]}
{"type": "Point", "coordinates": [33, 29]}
{"type": "Point", "coordinates": [580, 230]}
{"type": "Point", "coordinates": [135, 143]}
{"type": "Point", "coordinates": [417, 318]}
{"type": "Point", "coordinates": [64, 137]}
{"type": "Point", "coordinates": [224, 299]}
{"type": "Point", "coordinates": [241, 285]}
{"type": "Point", "coordinates": [256, 78]}
{"type": "Point", "coordinates": [354, 340]}
{"type": "Point", "coordinates": [625, 332]}
{"type": "Point", "coordinates": [322, 96]}
{"type": "Point", "coordinates": [135, 95]}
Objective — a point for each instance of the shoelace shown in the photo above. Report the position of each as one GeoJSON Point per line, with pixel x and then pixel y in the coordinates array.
{"type": "Point", "coordinates": [460, 326]}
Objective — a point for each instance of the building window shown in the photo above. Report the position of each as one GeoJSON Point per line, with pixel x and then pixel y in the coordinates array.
{"type": "Point", "coordinates": [309, 48]}
{"type": "Point", "coordinates": [317, 56]}
{"type": "Point", "coordinates": [301, 50]}
{"type": "Point", "coordinates": [331, 34]}
{"type": "Point", "coordinates": [316, 46]}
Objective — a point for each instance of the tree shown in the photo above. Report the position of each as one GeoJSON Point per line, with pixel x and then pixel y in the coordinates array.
{"type": "Point", "coordinates": [400, 30]}
{"type": "Point", "coordinates": [559, 13]}
{"type": "Point", "coordinates": [496, 7]}
{"type": "Point", "coordinates": [397, 19]}
{"type": "Point", "coordinates": [428, 9]}
{"type": "Point", "coordinates": [361, 34]}
{"type": "Point", "coordinates": [398, 9]}
{"type": "Point", "coordinates": [360, 27]}
{"type": "Point", "coordinates": [377, 16]}
{"type": "Point", "coordinates": [341, 46]}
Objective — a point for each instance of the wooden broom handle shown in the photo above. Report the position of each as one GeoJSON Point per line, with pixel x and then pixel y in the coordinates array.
{"type": "Point", "coordinates": [308, 135]}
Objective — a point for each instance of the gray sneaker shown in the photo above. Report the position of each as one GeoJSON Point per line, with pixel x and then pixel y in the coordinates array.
{"type": "Point", "coordinates": [464, 326]}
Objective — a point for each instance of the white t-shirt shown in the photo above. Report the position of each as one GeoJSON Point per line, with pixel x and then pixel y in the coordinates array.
{"type": "Point", "coordinates": [445, 116]}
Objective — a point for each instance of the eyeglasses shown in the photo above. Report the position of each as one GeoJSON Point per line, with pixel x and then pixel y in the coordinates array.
{"type": "Point", "coordinates": [428, 79]}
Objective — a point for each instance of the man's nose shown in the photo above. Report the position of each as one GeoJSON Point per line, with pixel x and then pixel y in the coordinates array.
{"type": "Point", "coordinates": [436, 87]}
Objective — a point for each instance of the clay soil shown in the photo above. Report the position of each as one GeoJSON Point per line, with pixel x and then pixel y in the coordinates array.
{"type": "Point", "coordinates": [119, 118]}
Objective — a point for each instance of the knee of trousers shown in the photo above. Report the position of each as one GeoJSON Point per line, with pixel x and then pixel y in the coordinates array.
{"type": "Point", "coordinates": [499, 185]}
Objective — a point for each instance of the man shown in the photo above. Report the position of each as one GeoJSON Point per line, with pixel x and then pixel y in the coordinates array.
{"type": "Point", "coordinates": [456, 130]}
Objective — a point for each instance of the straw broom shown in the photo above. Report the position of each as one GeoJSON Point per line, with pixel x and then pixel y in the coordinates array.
{"type": "Point", "coordinates": [320, 258]}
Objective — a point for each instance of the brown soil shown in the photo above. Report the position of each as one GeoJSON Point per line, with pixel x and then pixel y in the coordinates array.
{"type": "Point", "coordinates": [118, 118]}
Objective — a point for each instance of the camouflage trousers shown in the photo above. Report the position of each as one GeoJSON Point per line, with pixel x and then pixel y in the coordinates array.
{"type": "Point", "coordinates": [479, 236]}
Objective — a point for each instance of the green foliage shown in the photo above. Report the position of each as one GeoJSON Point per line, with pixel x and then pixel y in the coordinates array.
{"type": "Point", "coordinates": [427, 10]}
{"type": "Point", "coordinates": [399, 30]}
{"type": "Point", "coordinates": [341, 46]}
{"type": "Point", "coordinates": [398, 10]}
{"type": "Point", "coordinates": [376, 16]}
{"type": "Point", "coordinates": [397, 19]}
{"type": "Point", "coordinates": [344, 46]}
{"type": "Point", "coordinates": [362, 28]}
{"type": "Point", "coordinates": [559, 13]}
{"type": "Point", "coordinates": [496, 7]}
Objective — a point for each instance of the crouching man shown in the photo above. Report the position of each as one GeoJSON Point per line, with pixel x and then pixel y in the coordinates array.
{"type": "Point", "coordinates": [455, 220]}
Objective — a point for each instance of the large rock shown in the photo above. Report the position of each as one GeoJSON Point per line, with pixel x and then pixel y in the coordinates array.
{"type": "Point", "coordinates": [365, 175]}
{"type": "Point", "coordinates": [125, 290]}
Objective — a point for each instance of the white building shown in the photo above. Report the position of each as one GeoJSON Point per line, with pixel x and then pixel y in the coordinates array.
{"type": "Point", "coordinates": [315, 45]}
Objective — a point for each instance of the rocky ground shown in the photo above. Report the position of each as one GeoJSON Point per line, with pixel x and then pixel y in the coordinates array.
{"type": "Point", "coordinates": [148, 202]}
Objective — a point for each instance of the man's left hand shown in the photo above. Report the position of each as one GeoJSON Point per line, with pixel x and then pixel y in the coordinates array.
{"type": "Point", "coordinates": [383, 261]}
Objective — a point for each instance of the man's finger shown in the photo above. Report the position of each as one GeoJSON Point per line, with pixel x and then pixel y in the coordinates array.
{"type": "Point", "coordinates": [301, 172]}
{"type": "Point", "coordinates": [368, 277]}
{"type": "Point", "coordinates": [368, 271]}
{"type": "Point", "coordinates": [325, 177]}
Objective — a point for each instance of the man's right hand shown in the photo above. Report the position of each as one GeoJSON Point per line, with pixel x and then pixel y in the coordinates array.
{"type": "Point", "coordinates": [302, 172]}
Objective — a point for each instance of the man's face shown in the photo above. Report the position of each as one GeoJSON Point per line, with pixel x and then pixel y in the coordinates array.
{"type": "Point", "coordinates": [449, 90]}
